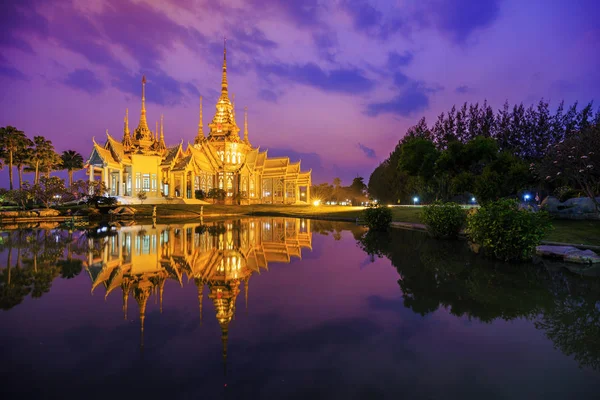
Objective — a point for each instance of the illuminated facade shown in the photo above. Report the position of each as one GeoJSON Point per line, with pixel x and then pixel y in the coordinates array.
{"type": "Point", "coordinates": [143, 162]}
{"type": "Point", "coordinates": [221, 256]}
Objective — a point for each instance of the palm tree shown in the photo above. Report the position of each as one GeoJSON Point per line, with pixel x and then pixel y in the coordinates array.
{"type": "Point", "coordinates": [12, 141]}
{"type": "Point", "coordinates": [41, 150]}
{"type": "Point", "coordinates": [71, 161]}
{"type": "Point", "coordinates": [21, 159]}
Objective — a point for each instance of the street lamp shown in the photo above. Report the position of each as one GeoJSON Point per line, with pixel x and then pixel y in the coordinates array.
{"type": "Point", "coordinates": [526, 197]}
{"type": "Point", "coordinates": [473, 200]}
{"type": "Point", "coordinates": [415, 200]}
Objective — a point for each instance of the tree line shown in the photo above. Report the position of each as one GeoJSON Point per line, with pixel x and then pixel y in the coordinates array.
{"type": "Point", "coordinates": [38, 156]}
{"type": "Point", "coordinates": [355, 193]}
{"type": "Point", "coordinates": [473, 151]}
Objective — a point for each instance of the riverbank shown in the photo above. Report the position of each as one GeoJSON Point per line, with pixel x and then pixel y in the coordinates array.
{"type": "Point", "coordinates": [578, 232]}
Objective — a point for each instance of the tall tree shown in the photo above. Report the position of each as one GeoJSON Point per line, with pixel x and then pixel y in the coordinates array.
{"type": "Point", "coordinates": [41, 151]}
{"type": "Point", "coordinates": [21, 159]}
{"type": "Point", "coordinates": [71, 161]}
{"type": "Point", "coordinates": [12, 141]}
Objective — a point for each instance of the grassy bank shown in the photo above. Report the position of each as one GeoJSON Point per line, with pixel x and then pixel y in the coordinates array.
{"type": "Point", "coordinates": [566, 231]}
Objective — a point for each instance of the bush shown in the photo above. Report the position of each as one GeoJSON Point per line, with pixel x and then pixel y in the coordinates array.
{"type": "Point", "coordinates": [504, 231]}
{"type": "Point", "coordinates": [443, 220]}
{"type": "Point", "coordinates": [200, 194]}
{"type": "Point", "coordinates": [142, 195]}
{"type": "Point", "coordinates": [378, 218]}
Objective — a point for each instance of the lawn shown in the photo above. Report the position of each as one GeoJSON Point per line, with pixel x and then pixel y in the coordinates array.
{"type": "Point", "coordinates": [565, 231]}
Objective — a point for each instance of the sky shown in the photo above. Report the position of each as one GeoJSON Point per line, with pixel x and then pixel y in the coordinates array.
{"type": "Point", "coordinates": [333, 83]}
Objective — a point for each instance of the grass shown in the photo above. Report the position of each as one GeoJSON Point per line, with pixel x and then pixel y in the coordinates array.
{"type": "Point", "coordinates": [565, 231]}
{"type": "Point", "coordinates": [574, 231]}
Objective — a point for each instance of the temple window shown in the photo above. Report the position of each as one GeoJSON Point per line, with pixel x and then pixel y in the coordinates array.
{"type": "Point", "coordinates": [220, 181]}
{"type": "Point", "coordinates": [146, 182]}
{"type": "Point", "coordinates": [228, 158]}
{"type": "Point", "coordinates": [138, 177]}
{"type": "Point", "coordinates": [233, 158]}
{"type": "Point", "coordinates": [154, 182]}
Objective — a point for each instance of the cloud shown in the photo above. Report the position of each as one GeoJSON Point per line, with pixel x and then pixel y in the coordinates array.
{"type": "Point", "coordinates": [400, 79]}
{"type": "Point", "coordinates": [463, 89]}
{"type": "Point", "coordinates": [396, 59]}
{"type": "Point", "coordinates": [326, 43]}
{"type": "Point", "coordinates": [18, 18]}
{"type": "Point", "coordinates": [369, 152]}
{"type": "Point", "coordinates": [368, 19]}
{"type": "Point", "coordinates": [160, 88]}
{"type": "Point", "coordinates": [413, 98]}
{"type": "Point", "coordinates": [303, 14]}
{"type": "Point", "coordinates": [84, 79]}
{"type": "Point", "coordinates": [340, 80]}
{"type": "Point", "coordinates": [460, 18]}
{"type": "Point", "coordinates": [268, 95]}
{"type": "Point", "coordinates": [9, 71]}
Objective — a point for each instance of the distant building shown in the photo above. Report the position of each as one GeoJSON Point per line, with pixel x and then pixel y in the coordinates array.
{"type": "Point", "coordinates": [143, 162]}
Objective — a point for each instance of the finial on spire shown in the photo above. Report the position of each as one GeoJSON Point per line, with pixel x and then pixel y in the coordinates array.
{"type": "Point", "coordinates": [246, 125]}
{"type": "Point", "coordinates": [224, 80]}
{"type": "Point", "coordinates": [144, 94]}
{"type": "Point", "coordinates": [200, 125]}
{"type": "Point", "coordinates": [162, 127]}
{"type": "Point", "coordinates": [156, 132]}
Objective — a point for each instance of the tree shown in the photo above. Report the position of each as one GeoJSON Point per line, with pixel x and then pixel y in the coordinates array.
{"type": "Point", "coordinates": [12, 141]}
{"type": "Point", "coordinates": [576, 162]}
{"type": "Point", "coordinates": [216, 194]}
{"type": "Point", "coordinates": [21, 196]}
{"type": "Point", "coordinates": [49, 190]}
{"type": "Point", "coordinates": [142, 195]}
{"type": "Point", "coordinates": [41, 151]}
{"type": "Point", "coordinates": [71, 161]}
{"type": "Point", "coordinates": [358, 186]}
{"type": "Point", "coordinates": [21, 159]}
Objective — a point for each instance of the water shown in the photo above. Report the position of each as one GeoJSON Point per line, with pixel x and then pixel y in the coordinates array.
{"type": "Point", "coordinates": [280, 308]}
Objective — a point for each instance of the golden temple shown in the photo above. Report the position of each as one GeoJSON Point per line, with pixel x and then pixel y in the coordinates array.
{"type": "Point", "coordinates": [142, 162]}
{"type": "Point", "coordinates": [222, 256]}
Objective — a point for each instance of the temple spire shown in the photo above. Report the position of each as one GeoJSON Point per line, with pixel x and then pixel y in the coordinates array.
{"type": "Point", "coordinates": [156, 132]}
{"type": "Point", "coordinates": [161, 142]}
{"type": "Point", "coordinates": [200, 134]}
{"type": "Point", "coordinates": [246, 125]}
{"type": "Point", "coordinates": [224, 79]}
{"type": "Point", "coordinates": [142, 131]}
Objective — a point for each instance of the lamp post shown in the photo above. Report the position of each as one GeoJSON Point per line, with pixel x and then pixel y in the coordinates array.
{"type": "Point", "coordinates": [415, 200]}
{"type": "Point", "coordinates": [526, 197]}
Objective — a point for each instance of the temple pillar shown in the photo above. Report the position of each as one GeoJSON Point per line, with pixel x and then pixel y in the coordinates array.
{"type": "Point", "coordinates": [308, 193]}
{"type": "Point", "coordinates": [91, 173]}
{"type": "Point", "coordinates": [120, 185]}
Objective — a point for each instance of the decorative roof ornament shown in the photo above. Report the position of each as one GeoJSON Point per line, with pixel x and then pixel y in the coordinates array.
{"type": "Point", "coordinates": [161, 146]}
{"type": "Point", "coordinates": [200, 135]}
{"type": "Point", "coordinates": [126, 134]}
{"type": "Point", "coordinates": [246, 140]}
{"type": "Point", "coordinates": [223, 125]}
{"type": "Point", "coordinates": [142, 132]}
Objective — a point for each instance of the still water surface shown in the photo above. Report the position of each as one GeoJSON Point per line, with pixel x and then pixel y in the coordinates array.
{"type": "Point", "coordinates": [281, 308]}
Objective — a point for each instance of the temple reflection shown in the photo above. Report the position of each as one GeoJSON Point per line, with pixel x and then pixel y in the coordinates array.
{"type": "Point", "coordinates": [221, 255]}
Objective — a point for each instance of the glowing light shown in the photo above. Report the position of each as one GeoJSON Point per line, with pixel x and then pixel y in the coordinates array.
{"type": "Point", "coordinates": [473, 199]}
{"type": "Point", "coordinates": [316, 203]}
{"type": "Point", "coordinates": [415, 200]}
{"type": "Point", "coordinates": [527, 197]}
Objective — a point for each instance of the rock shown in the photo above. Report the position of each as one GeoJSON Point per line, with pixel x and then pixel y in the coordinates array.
{"type": "Point", "coordinates": [574, 206]}
{"type": "Point", "coordinates": [583, 257]}
{"type": "Point", "coordinates": [9, 214]}
{"type": "Point", "coordinates": [568, 253]}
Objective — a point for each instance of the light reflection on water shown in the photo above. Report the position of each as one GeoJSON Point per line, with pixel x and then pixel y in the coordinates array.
{"type": "Point", "coordinates": [286, 308]}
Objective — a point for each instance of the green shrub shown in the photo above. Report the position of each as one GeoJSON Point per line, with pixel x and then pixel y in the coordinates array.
{"type": "Point", "coordinates": [378, 217]}
{"type": "Point", "coordinates": [444, 220]}
{"type": "Point", "coordinates": [502, 230]}
{"type": "Point", "coordinates": [200, 194]}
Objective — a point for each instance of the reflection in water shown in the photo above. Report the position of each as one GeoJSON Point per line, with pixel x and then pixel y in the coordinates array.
{"type": "Point", "coordinates": [223, 255]}
{"type": "Point", "coordinates": [437, 273]}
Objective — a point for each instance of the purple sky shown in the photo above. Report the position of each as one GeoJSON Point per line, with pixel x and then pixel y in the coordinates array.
{"type": "Point", "coordinates": [333, 83]}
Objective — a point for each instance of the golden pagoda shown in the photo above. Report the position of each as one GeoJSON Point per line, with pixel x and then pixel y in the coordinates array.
{"type": "Point", "coordinates": [143, 162]}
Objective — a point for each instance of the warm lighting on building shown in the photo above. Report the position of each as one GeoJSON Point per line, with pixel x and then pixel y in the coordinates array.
{"type": "Point", "coordinates": [316, 203]}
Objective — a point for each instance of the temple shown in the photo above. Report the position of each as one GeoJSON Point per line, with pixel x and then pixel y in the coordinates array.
{"type": "Point", "coordinates": [221, 256]}
{"type": "Point", "coordinates": [142, 162]}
